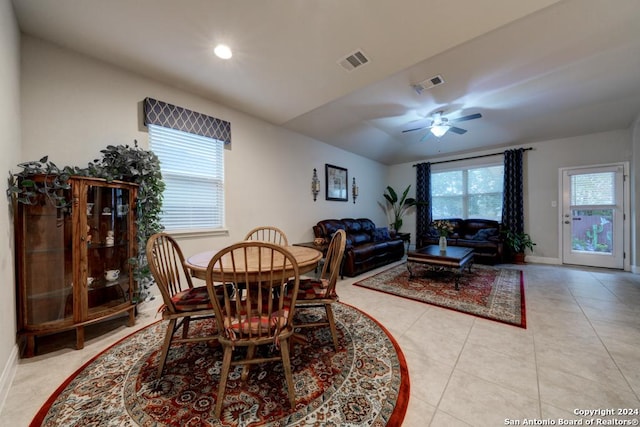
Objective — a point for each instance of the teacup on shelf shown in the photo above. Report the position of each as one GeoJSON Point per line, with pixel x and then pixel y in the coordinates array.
{"type": "Point", "coordinates": [112, 275]}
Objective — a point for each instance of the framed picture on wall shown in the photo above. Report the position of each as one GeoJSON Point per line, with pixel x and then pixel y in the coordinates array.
{"type": "Point", "coordinates": [336, 179]}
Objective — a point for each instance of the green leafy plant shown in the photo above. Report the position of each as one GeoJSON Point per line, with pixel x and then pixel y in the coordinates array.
{"type": "Point", "coordinates": [518, 242]}
{"type": "Point", "coordinates": [398, 205]}
{"type": "Point", "coordinates": [118, 162]}
{"type": "Point", "coordinates": [25, 189]}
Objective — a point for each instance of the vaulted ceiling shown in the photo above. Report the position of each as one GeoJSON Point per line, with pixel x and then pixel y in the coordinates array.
{"type": "Point", "coordinates": [535, 70]}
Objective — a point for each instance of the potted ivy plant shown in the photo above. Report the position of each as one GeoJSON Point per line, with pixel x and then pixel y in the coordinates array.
{"type": "Point", "coordinates": [518, 242]}
{"type": "Point", "coordinates": [398, 206]}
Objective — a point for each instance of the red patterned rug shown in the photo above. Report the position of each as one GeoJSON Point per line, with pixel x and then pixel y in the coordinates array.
{"type": "Point", "coordinates": [365, 383]}
{"type": "Point", "coordinates": [488, 292]}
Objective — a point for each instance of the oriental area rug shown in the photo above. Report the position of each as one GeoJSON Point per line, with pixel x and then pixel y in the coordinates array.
{"type": "Point", "coordinates": [364, 383]}
{"type": "Point", "coordinates": [489, 292]}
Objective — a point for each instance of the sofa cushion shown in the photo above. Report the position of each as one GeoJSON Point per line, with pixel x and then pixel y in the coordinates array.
{"type": "Point", "coordinates": [485, 234]}
{"type": "Point", "coordinates": [381, 234]}
{"type": "Point", "coordinates": [352, 225]}
{"type": "Point", "coordinates": [472, 226]}
{"type": "Point", "coordinates": [359, 238]}
{"type": "Point", "coordinates": [359, 231]}
{"type": "Point", "coordinates": [365, 251]}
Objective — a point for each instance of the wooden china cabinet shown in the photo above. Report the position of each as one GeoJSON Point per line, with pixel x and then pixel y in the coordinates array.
{"type": "Point", "coordinates": [73, 262]}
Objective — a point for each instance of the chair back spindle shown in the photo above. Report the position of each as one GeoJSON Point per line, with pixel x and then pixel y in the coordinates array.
{"type": "Point", "coordinates": [268, 234]}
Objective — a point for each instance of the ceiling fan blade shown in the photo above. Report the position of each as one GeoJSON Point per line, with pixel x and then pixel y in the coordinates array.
{"type": "Point", "coordinates": [459, 131]}
{"type": "Point", "coordinates": [425, 136]}
{"type": "Point", "coordinates": [415, 129]}
{"type": "Point", "coordinates": [465, 118]}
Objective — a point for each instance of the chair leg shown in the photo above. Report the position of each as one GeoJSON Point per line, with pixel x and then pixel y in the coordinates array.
{"type": "Point", "coordinates": [251, 351]}
{"type": "Point", "coordinates": [185, 327]}
{"type": "Point", "coordinates": [286, 362]}
{"type": "Point", "coordinates": [332, 325]}
{"type": "Point", "coordinates": [168, 336]}
{"type": "Point", "coordinates": [224, 375]}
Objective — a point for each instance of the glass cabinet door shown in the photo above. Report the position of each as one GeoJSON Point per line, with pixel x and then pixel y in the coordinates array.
{"type": "Point", "coordinates": [47, 262]}
{"type": "Point", "coordinates": [108, 248]}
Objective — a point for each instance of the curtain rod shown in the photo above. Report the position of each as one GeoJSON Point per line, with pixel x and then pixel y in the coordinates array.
{"type": "Point", "coordinates": [473, 157]}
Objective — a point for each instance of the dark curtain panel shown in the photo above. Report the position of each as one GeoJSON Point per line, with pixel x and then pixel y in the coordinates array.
{"type": "Point", "coordinates": [178, 118]}
{"type": "Point", "coordinates": [423, 197]}
{"type": "Point", "coordinates": [513, 202]}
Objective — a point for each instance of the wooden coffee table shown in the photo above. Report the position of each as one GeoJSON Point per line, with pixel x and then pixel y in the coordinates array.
{"type": "Point", "coordinates": [453, 260]}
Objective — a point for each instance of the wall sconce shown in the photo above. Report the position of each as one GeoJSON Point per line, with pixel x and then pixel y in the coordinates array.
{"type": "Point", "coordinates": [315, 185]}
{"type": "Point", "coordinates": [354, 190]}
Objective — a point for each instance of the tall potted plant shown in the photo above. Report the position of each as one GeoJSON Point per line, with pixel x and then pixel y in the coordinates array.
{"type": "Point", "coordinates": [398, 206]}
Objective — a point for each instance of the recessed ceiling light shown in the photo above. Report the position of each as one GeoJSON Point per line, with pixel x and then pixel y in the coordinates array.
{"type": "Point", "coordinates": [223, 51]}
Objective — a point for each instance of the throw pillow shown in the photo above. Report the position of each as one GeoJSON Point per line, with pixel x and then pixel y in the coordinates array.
{"type": "Point", "coordinates": [381, 234]}
{"type": "Point", "coordinates": [484, 234]}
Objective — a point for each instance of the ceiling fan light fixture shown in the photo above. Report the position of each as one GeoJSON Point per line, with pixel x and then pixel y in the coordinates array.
{"type": "Point", "coordinates": [439, 130]}
{"type": "Point", "coordinates": [223, 51]}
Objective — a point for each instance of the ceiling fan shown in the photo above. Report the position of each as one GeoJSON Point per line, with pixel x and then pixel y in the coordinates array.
{"type": "Point", "coordinates": [441, 125]}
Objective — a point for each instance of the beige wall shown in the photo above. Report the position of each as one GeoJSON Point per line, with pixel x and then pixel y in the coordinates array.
{"type": "Point", "coordinates": [10, 148]}
{"type": "Point", "coordinates": [542, 165]}
{"type": "Point", "coordinates": [74, 106]}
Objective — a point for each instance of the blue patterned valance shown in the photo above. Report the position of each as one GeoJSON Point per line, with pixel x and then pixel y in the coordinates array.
{"type": "Point", "coordinates": [174, 117]}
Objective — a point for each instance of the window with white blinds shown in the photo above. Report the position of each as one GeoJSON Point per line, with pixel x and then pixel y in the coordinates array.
{"type": "Point", "coordinates": [193, 172]}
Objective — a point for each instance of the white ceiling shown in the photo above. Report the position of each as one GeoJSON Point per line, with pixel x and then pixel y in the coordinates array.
{"type": "Point", "coordinates": [536, 69]}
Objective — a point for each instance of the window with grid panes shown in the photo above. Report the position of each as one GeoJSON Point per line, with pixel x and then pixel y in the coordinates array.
{"type": "Point", "coordinates": [474, 192]}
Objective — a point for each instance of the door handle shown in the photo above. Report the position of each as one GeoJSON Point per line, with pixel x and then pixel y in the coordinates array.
{"type": "Point", "coordinates": [567, 222]}
{"type": "Point", "coordinates": [576, 219]}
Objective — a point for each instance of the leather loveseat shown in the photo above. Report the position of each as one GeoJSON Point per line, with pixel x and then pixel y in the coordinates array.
{"type": "Point", "coordinates": [367, 246]}
{"type": "Point", "coordinates": [482, 235]}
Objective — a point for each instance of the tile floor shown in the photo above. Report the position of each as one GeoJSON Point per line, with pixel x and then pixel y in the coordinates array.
{"type": "Point", "coordinates": [580, 351]}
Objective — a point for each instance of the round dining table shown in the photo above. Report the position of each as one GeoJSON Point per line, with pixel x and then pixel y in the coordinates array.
{"type": "Point", "coordinates": [307, 259]}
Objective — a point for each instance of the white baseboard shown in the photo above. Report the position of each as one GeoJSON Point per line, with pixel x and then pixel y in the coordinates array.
{"type": "Point", "coordinates": [8, 374]}
{"type": "Point", "coordinates": [542, 260]}
{"type": "Point", "coordinates": [557, 261]}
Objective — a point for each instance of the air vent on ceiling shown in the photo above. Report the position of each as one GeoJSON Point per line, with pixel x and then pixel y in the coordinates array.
{"type": "Point", "coordinates": [353, 60]}
{"type": "Point", "coordinates": [427, 84]}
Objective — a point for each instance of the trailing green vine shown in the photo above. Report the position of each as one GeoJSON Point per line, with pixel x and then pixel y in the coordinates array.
{"type": "Point", "coordinates": [25, 190]}
{"type": "Point", "coordinates": [118, 163]}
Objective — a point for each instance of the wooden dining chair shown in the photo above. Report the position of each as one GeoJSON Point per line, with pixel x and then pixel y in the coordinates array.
{"type": "Point", "coordinates": [321, 292]}
{"type": "Point", "coordinates": [263, 316]}
{"type": "Point", "coordinates": [182, 300]}
{"type": "Point", "coordinates": [268, 233]}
